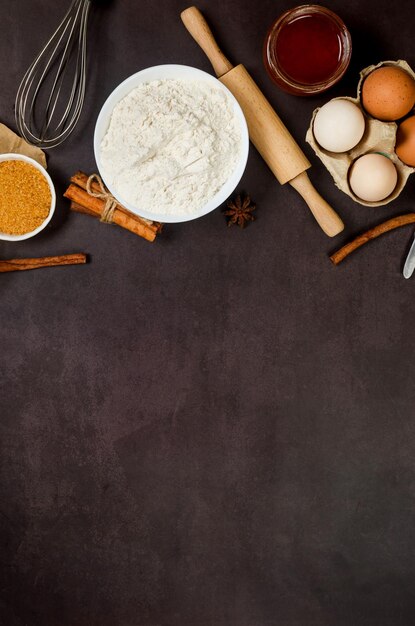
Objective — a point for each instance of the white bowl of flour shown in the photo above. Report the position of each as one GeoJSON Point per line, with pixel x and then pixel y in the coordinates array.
{"type": "Point", "coordinates": [171, 143]}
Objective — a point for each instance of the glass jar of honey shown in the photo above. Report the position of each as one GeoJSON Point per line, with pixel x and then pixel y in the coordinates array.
{"type": "Point", "coordinates": [307, 50]}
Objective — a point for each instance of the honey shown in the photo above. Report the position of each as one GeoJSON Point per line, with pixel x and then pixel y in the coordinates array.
{"type": "Point", "coordinates": [307, 50]}
{"type": "Point", "coordinates": [25, 197]}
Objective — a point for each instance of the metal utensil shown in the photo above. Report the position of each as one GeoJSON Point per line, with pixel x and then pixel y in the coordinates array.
{"type": "Point", "coordinates": [409, 267]}
{"type": "Point", "coordinates": [51, 95]}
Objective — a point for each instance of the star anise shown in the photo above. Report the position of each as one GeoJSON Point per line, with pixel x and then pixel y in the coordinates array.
{"type": "Point", "coordinates": [239, 211]}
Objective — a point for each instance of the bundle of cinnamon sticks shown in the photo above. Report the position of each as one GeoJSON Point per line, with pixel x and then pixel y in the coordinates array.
{"type": "Point", "coordinates": [83, 202]}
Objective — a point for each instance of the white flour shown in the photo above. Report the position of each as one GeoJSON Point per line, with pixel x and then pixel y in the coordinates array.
{"type": "Point", "coordinates": [171, 145]}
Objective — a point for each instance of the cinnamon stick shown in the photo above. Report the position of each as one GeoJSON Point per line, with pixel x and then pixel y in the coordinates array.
{"type": "Point", "coordinates": [78, 208]}
{"type": "Point", "coordinates": [395, 222]}
{"type": "Point", "coordinates": [81, 179]}
{"type": "Point", "coordinates": [79, 197]}
{"type": "Point", "coordinates": [13, 265]}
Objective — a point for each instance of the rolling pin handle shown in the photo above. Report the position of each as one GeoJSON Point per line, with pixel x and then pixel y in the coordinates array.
{"type": "Point", "coordinates": [201, 33]}
{"type": "Point", "coordinates": [325, 216]}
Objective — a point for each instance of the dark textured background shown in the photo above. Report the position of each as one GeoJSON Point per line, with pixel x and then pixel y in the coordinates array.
{"type": "Point", "coordinates": [217, 429]}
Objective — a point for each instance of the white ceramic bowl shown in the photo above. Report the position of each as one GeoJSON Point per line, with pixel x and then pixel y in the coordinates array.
{"type": "Point", "coordinates": [161, 72]}
{"type": "Point", "coordinates": [32, 233]}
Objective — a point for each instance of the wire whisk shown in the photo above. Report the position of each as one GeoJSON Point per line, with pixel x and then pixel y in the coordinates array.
{"type": "Point", "coordinates": [51, 95]}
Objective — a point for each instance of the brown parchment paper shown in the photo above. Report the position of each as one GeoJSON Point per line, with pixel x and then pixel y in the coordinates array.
{"type": "Point", "coordinates": [10, 142]}
{"type": "Point", "coordinates": [378, 137]}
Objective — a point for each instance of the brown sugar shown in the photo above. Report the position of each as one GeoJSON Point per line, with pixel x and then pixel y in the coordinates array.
{"type": "Point", "coordinates": [25, 197]}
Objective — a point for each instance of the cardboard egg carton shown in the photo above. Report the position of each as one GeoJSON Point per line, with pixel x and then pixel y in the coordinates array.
{"type": "Point", "coordinates": [378, 137]}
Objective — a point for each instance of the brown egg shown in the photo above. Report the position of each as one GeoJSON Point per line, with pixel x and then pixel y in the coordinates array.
{"type": "Point", "coordinates": [405, 141]}
{"type": "Point", "coordinates": [388, 93]}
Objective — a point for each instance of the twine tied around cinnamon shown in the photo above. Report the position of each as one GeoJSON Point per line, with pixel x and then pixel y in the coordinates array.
{"type": "Point", "coordinates": [110, 202]}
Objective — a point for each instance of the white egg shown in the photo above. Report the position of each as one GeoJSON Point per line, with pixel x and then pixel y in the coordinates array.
{"type": "Point", "coordinates": [339, 125]}
{"type": "Point", "coordinates": [373, 177]}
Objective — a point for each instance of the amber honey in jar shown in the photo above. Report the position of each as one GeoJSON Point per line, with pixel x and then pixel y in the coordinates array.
{"type": "Point", "coordinates": [307, 50]}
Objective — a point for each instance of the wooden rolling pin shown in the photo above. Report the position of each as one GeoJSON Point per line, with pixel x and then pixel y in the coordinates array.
{"type": "Point", "coordinates": [267, 132]}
